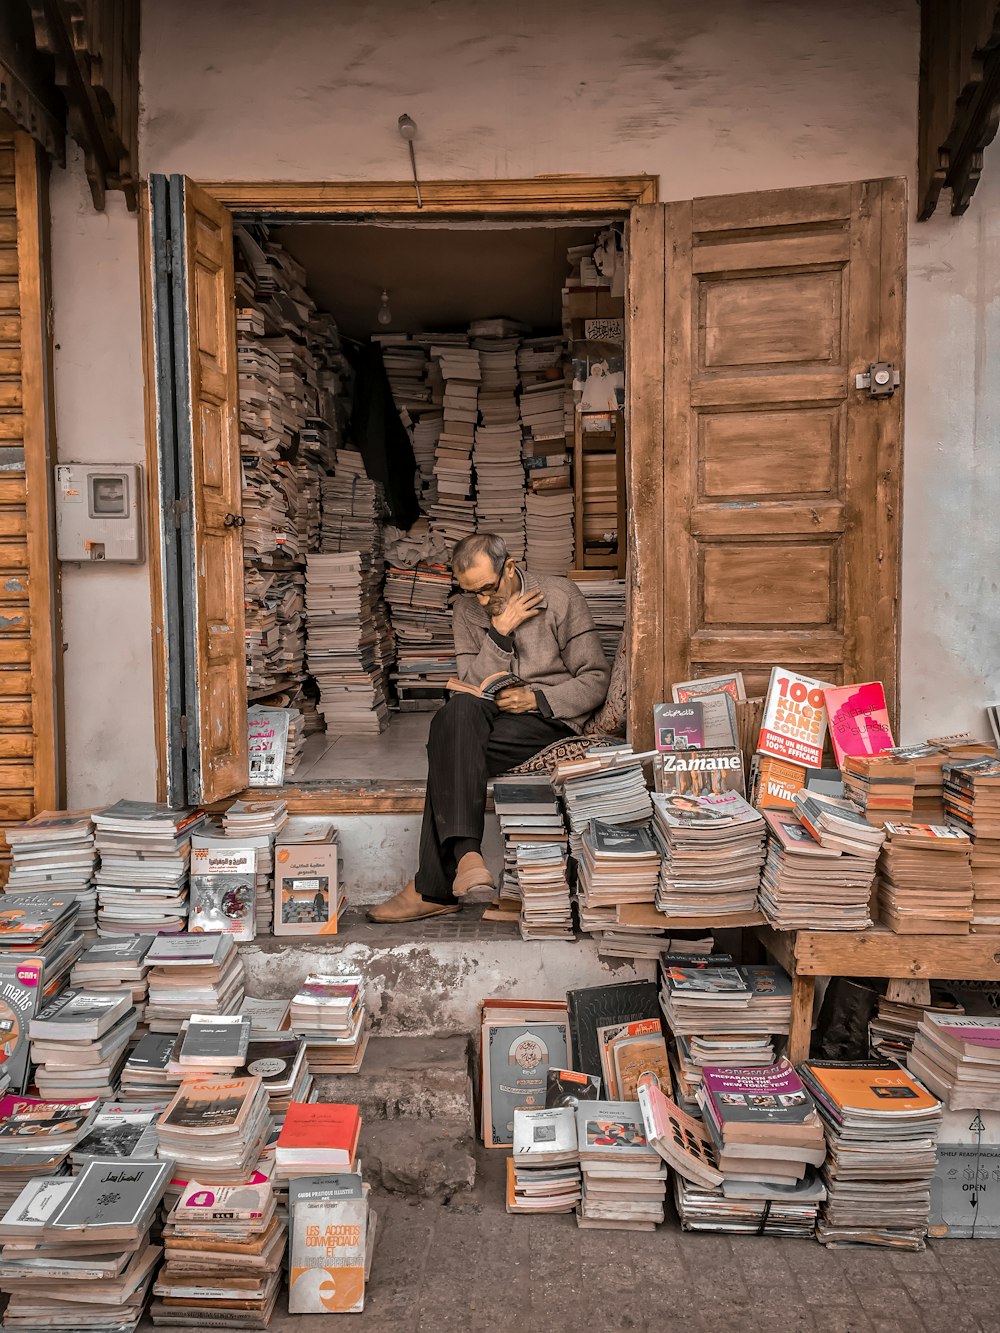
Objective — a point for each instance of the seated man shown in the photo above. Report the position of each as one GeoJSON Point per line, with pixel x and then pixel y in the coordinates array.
{"type": "Point", "coordinates": [538, 629]}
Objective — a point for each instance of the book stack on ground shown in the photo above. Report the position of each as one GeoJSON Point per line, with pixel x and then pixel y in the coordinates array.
{"type": "Point", "coordinates": [116, 965]}
{"type": "Point", "coordinates": [331, 1243]}
{"type": "Point", "coordinates": [452, 516]}
{"type": "Point", "coordinates": [279, 1061]}
{"type": "Point", "coordinates": [750, 1000]}
{"type": "Point", "coordinates": [497, 451]}
{"type": "Point", "coordinates": [535, 855]}
{"type": "Point", "coordinates": [36, 1138]}
{"type": "Point", "coordinates": [151, 1073]}
{"type": "Point", "coordinates": [54, 853]}
{"type": "Point", "coordinates": [94, 1260]}
{"type": "Point", "coordinates": [421, 621]}
{"type": "Point", "coordinates": [123, 1130]}
{"type": "Point", "coordinates": [224, 1247]}
{"type": "Point", "coordinates": [624, 1178]}
{"type": "Point", "coordinates": [79, 1042]}
{"type": "Point", "coordinates": [316, 1139]}
{"type": "Point", "coordinates": [925, 880]}
{"type": "Point", "coordinates": [257, 823]}
{"type": "Point", "coordinates": [892, 1031]}
{"type": "Point", "coordinates": [972, 804]}
{"type": "Point", "coordinates": [713, 847]}
{"type": "Point", "coordinates": [142, 882]}
{"type": "Point", "coordinates": [608, 784]}
{"type": "Point", "coordinates": [880, 787]}
{"type": "Point", "coordinates": [807, 886]}
{"type": "Point", "coordinates": [214, 1045]}
{"type": "Point", "coordinates": [330, 1015]}
{"type": "Point", "coordinates": [881, 1129]}
{"type": "Point", "coordinates": [215, 1128]}
{"type": "Point", "coordinates": [616, 866]}
{"type": "Point", "coordinates": [543, 1174]}
{"type": "Point", "coordinates": [343, 644]}
{"type": "Point", "coordinates": [192, 974]}
{"type": "Point", "coordinates": [958, 1058]}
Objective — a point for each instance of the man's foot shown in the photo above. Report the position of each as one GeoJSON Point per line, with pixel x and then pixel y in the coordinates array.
{"type": "Point", "coordinates": [473, 882]}
{"type": "Point", "coordinates": [407, 905]}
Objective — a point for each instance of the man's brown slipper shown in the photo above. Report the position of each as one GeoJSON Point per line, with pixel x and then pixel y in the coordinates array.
{"type": "Point", "coordinates": [407, 905]}
{"type": "Point", "coordinates": [473, 882]}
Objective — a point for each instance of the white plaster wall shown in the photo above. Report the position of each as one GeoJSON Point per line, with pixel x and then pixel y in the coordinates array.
{"type": "Point", "coordinates": [713, 98]}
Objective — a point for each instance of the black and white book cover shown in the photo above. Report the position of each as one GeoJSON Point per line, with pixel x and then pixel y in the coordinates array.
{"type": "Point", "coordinates": [153, 1051]}
{"type": "Point", "coordinates": [83, 1015]}
{"type": "Point", "coordinates": [112, 1193]}
{"type": "Point", "coordinates": [189, 950]}
{"type": "Point", "coordinates": [121, 1129]}
{"type": "Point", "coordinates": [35, 1205]}
{"type": "Point", "coordinates": [344, 1185]}
{"type": "Point", "coordinates": [220, 1039]}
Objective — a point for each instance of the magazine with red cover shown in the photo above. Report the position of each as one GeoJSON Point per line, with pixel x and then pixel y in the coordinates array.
{"type": "Point", "coordinates": [859, 719]}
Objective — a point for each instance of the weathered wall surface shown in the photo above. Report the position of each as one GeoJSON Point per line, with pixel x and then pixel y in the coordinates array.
{"type": "Point", "coordinates": [713, 99]}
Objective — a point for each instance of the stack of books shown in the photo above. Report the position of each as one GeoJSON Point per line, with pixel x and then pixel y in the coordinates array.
{"type": "Point", "coordinates": [116, 966]}
{"type": "Point", "coordinates": [123, 1130]}
{"type": "Point", "coordinates": [713, 847]}
{"type": "Point", "coordinates": [751, 1000]}
{"type": "Point", "coordinates": [257, 823]}
{"type": "Point", "coordinates": [38, 947]}
{"type": "Point", "coordinates": [278, 1059]}
{"type": "Point", "coordinates": [224, 1249]}
{"type": "Point", "coordinates": [343, 642]}
{"type": "Point", "coordinates": [36, 1138]}
{"type": "Point", "coordinates": [616, 866]}
{"type": "Point", "coordinates": [151, 1074]}
{"type": "Point", "coordinates": [548, 524]}
{"type": "Point", "coordinates": [881, 1129]}
{"type": "Point", "coordinates": [213, 1044]}
{"type": "Point", "coordinates": [330, 1015]}
{"type": "Point", "coordinates": [836, 824]}
{"type": "Point", "coordinates": [331, 1231]}
{"type": "Point", "coordinates": [192, 974]}
{"type": "Point", "coordinates": [605, 599]}
{"type": "Point", "coordinates": [925, 880]}
{"type": "Point", "coordinates": [624, 1178]}
{"type": "Point", "coordinates": [958, 1058]}
{"type": "Point", "coordinates": [55, 853]}
{"type": "Point", "coordinates": [497, 451]}
{"type": "Point", "coordinates": [543, 1174]}
{"type": "Point", "coordinates": [608, 784]}
{"type": "Point", "coordinates": [535, 855]}
{"type": "Point", "coordinates": [929, 760]}
{"type": "Point", "coordinates": [215, 1129]}
{"type": "Point", "coordinates": [972, 804]}
{"type": "Point", "coordinates": [142, 882]}
{"type": "Point", "coordinates": [452, 516]}
{"type": "Point", "coordinates": [419, 608]}
{"type": "Point", "coordinates": [79, 1042]}
{"type": "Point", "coordinates": [98, 1260]}
{"type": "Point", "coordinates": [807, 886]}
{"type": "Point", "coordinates": [353, 508]}
{"type": "Point", "coordinates": [316, 1139]}
{"type": "Point", "coordinates": [892, 1031]}
{"type": "Point", "coordinates": [881, 787]}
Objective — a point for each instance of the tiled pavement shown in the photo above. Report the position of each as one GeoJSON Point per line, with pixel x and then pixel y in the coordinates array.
{"type": "Point", "coordinates": [469, 1267]}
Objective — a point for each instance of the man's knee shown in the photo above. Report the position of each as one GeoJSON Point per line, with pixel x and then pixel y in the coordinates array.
{"type": "Point", "coordinates": [461, 713]}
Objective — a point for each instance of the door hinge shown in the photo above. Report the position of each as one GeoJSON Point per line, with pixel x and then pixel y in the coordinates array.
{"type": "Point", "coordinates": [180, 508]}
{"type": "Point", "coordinates": [183, 722]}
{"type": "Point", "coordinates": [881, 379]}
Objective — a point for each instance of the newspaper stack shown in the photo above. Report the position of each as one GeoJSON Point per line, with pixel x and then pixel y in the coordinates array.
{"type": "Point", "coordinates": [418, 601]}
{"type": "Point", "coordinates": [98, 1260]}
{"type": "Point", "coordinates": [608, 784]}
{"type": "Point", "coordinates": [227, 1244]}
{"type": "Point", "coordinates": [881, 1129]}
{"type": "Point", "coordinates": [116, 965]}
{"type": "Point", "coordinates": [257, 823]}
{"type": "Point", "coordinates": [972, 804]}
{"type": "Point", "coordinates": [142, 882]}
{"type": "Point", "coordinates": [925, 880]}
{"type": "Point", "coordinates": [215, 1129]}
{"type": "Point", "coordinates": [54, 852]}
{"type": "Point", "coordinates": [79, 1043]}
{"type": "Point", "coordinates": [543, 1173]}
{"type": "Point", "coordinates": [808, 886]}
{"type": "Point", "coordinates": [497, 452]}
{"type": "Point", "coordinates": [192, 974]}
{"type": "Point", "coordinates": [713, 847]}
{"type": "Point", "coordinates": [329, 1013]}
{"type": "Point", "coordinates": [452, 516]}
{"type": "Point", "coordinates": [624, 1178]}
{"type": "Point", "coordinates": [344, 650]}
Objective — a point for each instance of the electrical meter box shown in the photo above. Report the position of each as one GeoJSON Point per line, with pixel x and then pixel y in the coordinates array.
{"type": "Point", "coordinates": [98, 512]}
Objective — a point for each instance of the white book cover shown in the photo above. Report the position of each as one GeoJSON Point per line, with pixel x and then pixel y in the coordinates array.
{"type": "Point", "coordinates": [267, 738]}
{"type": "Point", "coordinates": [327, 1256]}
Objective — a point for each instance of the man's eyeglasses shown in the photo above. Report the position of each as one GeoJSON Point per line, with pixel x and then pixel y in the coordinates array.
{"type": "Point", "coordinates": [490, 588]}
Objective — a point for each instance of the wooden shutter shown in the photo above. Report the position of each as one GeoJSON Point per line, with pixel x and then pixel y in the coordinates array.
{"type": "Point", "coordinates": [30, 742]}
{"type": "Point", "coordinates": [196, 491]}
{"type": "Point", "coordinates": [774, 503]}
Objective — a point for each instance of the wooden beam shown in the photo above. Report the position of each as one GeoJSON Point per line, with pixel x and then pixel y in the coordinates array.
{"type": "Point", "coordinates": [880, 953]}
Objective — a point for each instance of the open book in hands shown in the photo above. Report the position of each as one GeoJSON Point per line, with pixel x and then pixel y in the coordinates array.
{"type": "Point", "coordinates": [488, 688]}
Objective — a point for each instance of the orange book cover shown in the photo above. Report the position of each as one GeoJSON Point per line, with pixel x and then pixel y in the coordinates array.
{"type": "Point", "coordinates": [321, 1126]}
{"type": "Point", "coordinates": [870, 1086]}
{"type": "Point", "coordinates": [777, 782]}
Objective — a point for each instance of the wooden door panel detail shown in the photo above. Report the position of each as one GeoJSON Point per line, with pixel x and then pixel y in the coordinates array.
{"type": "Point", "coordinates": [769, 319]}
{"type": "Point", "coordinates": [769, 453]}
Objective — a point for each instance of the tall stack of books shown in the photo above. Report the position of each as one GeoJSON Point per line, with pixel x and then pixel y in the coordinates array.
{"type": "Point", "coordinates": [713, 847]}
{"type": "Point", "coordinates": [881, 786]}
{"type": "Point", "coordinates": [116, 966]}
{"type": "Point", "coordinates": [972, 804]}
{"type": "Point", "coordinates": [624, 1178]}
{"type": "Point", "coordinates": [549, 531]}
{"type": "Point", "coordinates": [98, 1260]}
{"type": "Point", "coordinates": [806, 885]}
{"type": "Point", "coordinates": [452, 516]}
{"type": "Point", "coordinates": [543, 1174]}
{"type": "Point", "coordinates": [215, 1129]}
{"type": "Point", "coordinates": [497, 451]}
{"type": "Point", "coordinates": [54, 852]}
{"type": "Point", "coordinates": [605, 600]}
{"type": "Point", "coordinates": [257, 823]}
{"type": "Point", "coordinates": [929, 760]}
{"type": "Point", "coordinates": [958, 1058]}
{"type": "Point", "coordinates": [36, 1138]}
{"type": "Point", "coordinates": [342, 593]}
{"type": "Point", "coordinates": [616, 866]}
{"type": "Point", "coordinates": [330, 1015]}
{"type": "Point", "coordinates": [418, 601]}
{"type": "Point", "coordinates": [881, 1129]}
{"type": "Point", "coordinates": [925, 880]}
{"type": "Point", "coordinates": [224, 1248]}
{"type": "Point", "coordinates": [79, 1042]}
{"type": "Point", "coordinates": [192, 974]}
{"type": "Point", "coordinates": [608, 784]}
{"type": "Point", "coordinates": [549, 503]}
{"type": "Point", "coordinates": [142, 884]}
{"type": "Point", "coordinates": [535, 855]}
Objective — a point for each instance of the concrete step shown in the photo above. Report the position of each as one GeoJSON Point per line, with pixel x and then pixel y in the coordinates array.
{"type": "Point", "coordinates": [411, 1078]}
{"type": "Point", "coordinates": [426, 1158]}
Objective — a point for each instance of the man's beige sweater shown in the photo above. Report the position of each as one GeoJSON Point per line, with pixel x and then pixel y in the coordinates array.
{"type": "Point", "coordinates": [558, 652]}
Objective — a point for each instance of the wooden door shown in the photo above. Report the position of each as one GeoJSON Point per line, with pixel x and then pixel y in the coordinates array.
{"type": "Point", "coordinates": [197, 492]}
{"type": "Point", "coordinates": [31, 778]}
{"type": "Point", "coordinates": [766, 486]}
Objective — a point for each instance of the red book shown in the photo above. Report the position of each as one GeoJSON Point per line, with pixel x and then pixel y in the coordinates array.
{"type": "Point", "coordinates": [324, 1133]}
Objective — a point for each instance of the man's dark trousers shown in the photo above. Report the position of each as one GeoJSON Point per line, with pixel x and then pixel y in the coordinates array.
{"type": "Point", "coordinates": [470, 741]}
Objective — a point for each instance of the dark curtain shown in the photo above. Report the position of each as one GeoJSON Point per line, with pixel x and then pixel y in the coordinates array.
{"type": "Point", "coordinates": [382, 438]}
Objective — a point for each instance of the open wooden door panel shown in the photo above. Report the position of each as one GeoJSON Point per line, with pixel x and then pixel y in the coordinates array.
{"type": "Point", "coordinates": [198, 481]}
{"type": "Point", "coordinates": [774, 503]}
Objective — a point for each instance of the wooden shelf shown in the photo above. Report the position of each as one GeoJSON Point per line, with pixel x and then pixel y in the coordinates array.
{"type": "Point", "coordinates": [645, 914]}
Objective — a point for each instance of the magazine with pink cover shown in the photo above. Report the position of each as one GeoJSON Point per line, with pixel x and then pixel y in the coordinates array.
{"type": "Point", "coordinates": [859, 719]}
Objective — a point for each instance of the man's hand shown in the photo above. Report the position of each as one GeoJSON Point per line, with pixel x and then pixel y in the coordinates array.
{"type": "Point", "coordinates": [516, 612]}
{"type": "Point", "coordinates": [517, 699]}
